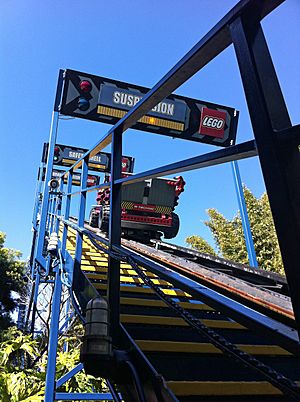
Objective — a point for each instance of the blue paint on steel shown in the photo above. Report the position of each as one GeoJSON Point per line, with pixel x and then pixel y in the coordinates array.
{"type": "Point", "coordinates": [53, 339]}
{"type": "Point", "coordinates": [63, 396]}
{"type": "Point", "coordinates": [45, 200]}
{"type": "Point", "coordinates": [48, 175]}
{"type": "Point", "coordinates": [81, 211]}
{"type": "Point", "coordinates": [59, 206]}
{"type": "Point", "coordinates": [67, 213]}
{"type": "Point", "coordinates": [61, 381]}
{"type": "Point", "coordinates": [66, 323]}
{"type": "Point", "coordinates": [35, 299]}
{"type": "Point", "coordinates": [37, 197]}
{"type": "Point", "coordinates": [244, 214]}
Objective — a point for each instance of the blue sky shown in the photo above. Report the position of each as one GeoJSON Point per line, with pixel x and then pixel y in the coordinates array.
{"type": "Point", "coordinates": [136, 41]}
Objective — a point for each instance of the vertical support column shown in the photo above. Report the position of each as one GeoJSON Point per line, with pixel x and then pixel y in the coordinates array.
{"type": "Point", "coordinates": [244, 214]}
{"type": "Point", "coordinates": [37, 196]}
{"type": "Point", "coordinates": [45, 200]}
{"type": "Point", "coordinates": [80, 223]}
{"type": "Point", "coordinates": [59, 204]}
{"type": "Point", "coordinates": [115, 236]}
{"type": "Point", "coordinates": [67, 211]}
{"type": "Point", "coordinates": [34, 303]}
{"type": "Point", "coordinates": [280, 162]}
{"type": "Point", "coordinates": [81, 211]}
{"type": "Point", "coordinates": [52, 212]}
{"type": "Point", "coordinates": [53, 339]}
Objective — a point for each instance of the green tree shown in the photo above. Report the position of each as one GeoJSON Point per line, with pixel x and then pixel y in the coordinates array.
{"type": "Point", "coordinates": [21, 383]}
{"type": "Point", "coordinates": [12, 272]}
{"type": "Point", "coordinates": [198, 243]}
{"type": "Point", "coordinates": [229, 237]}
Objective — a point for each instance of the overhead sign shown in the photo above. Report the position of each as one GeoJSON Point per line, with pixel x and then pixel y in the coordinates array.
{"type": "Point", "coordinates": [92, 180]}
{"type": "Point", "coordinates": [65, 155]}
{"type": "Point", "coordinates": [104, 100]}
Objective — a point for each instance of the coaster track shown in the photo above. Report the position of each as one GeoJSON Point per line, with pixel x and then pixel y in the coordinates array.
{"type": "Point", "coordinates": [194, 367]}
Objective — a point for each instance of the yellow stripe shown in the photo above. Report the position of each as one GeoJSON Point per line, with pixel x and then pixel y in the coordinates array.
{"type": "Point", "coordinates": [133, 301]}
{"type": "Point", "coordinates": [136, 289]}
{"type": "Point", "coordinates": [222, 388]}
{"type": "Point", "coordinates": [175, 321]}
{"type": "Point", "coordinates": [193, 347]}
{"type": "Point", "coordinates": [91, 163]}
{"type": "Point", "coordinates": [128, 279]}
{"type": "Point", "coordinates": [153, 121]}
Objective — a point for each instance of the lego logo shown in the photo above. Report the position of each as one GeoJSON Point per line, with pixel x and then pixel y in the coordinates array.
{"type": "Point", "coordinates": [213, 122]}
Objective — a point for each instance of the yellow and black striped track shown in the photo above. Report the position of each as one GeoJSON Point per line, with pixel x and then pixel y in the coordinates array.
{"type": "Point", "coordinates": [194, 369]}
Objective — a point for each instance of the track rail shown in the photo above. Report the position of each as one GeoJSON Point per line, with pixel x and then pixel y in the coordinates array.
{"type": "Point", "coordinates": [264, 291]}
{"type": "Point", "coordinates": [227, 278]}
{"type": "Point", "coordinates": [192, 332]}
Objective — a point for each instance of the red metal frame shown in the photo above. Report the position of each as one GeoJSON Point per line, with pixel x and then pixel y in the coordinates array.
{"type": "Point", "coordinates": [163, 221]}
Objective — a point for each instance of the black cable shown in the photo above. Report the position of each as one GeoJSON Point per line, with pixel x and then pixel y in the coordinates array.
{"type": "Point", "coordinates": [137, 382]}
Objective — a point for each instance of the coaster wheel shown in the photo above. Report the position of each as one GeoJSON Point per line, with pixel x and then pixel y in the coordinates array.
{"type": "Point", "coordinates": [103, 222]}
{"type": "Point", "coordinates": [172, 231]}
{"type": "Point", "coordinates": [94, 218]}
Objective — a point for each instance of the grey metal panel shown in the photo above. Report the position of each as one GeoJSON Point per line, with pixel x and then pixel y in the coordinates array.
{"type": "Point", "coordinates": [134, 192]}
{"type": "Point", "coordinates": [161, 193]}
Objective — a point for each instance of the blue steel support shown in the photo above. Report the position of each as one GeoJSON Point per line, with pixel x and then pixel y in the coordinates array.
{"type": "Point", "coordinates": [59, 206]}
{"type": "Point", "coordinates": [67, 212]}
{"type": "Point", "coordinates": [37, 196]}
{"type": "Point", "coordinates": [53, 339]}
{"type": "Point", "coordinates": [81, 212]}
{"type": "Point", "coordinates": [45, 200]}
{"type": "Point", "coordinates": [34, 304]}
{"type": "Point", "coordinates": [82, 397]}
{"type": "Point", "coordinates": [51, 214]}
{"type": "Point", "coordinates": [244, 214]}
{"type": "Point", "coordinates": [79, 237]}
{"type": "Point", "coordinates": [113, 287]}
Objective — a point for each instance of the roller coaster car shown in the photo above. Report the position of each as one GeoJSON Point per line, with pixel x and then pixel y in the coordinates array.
{"type": "Point", "coordinates": [147, 209]}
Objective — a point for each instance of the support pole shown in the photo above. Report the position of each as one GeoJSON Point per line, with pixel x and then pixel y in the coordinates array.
{"type": "Point", "coordinates": [53, 339]}
{"type": "Point", "coordinates": [280, 162]}
{"type": "Point", "coordinates": [48, 175]}
{"type": "Point", "coordinates": [115, 237]}
{"type": "Point", "coordinates": [244, 214]}
{"type": "Point", "coordinates": [34, 304]}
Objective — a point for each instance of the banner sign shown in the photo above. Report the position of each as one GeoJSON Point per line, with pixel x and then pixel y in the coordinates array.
{"type": "Point", "coordinates": [65, 155]}
{"type": "Point", "coordinates": [105, 100]}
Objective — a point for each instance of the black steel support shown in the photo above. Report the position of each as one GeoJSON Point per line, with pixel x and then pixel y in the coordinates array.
{"type": "Point", "coordinates": [115, 236]}
{"type": "Point", "coordinates": [280, 161]}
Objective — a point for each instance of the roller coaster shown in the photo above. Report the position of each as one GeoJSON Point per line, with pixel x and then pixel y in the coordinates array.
{"type": "Point", "coordinates": [164, 323]}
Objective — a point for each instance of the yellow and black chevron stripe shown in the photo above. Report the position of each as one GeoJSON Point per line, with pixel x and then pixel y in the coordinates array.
{"type": "Point", "coordinates": [127, 205]}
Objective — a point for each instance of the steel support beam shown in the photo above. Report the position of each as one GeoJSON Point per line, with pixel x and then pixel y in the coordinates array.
{"type": "Point", "coordinates": [113, 287]}
{"type": "Point", "coordinates": [280, 162]}
{"type": "Point", "coordinates": [48, 175]}
{"type": "Point", "coordinates": [53, 339]}
{"type": "Point", "coordinates": [244, 214]}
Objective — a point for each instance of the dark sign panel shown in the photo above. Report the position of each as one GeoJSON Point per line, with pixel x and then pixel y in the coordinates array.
{"type": "Point", "coordinates": [104, 100]}
{"type": "Point", "coordinates": [65, 155]}
{"type": "Point", "coordinates": [92, 180]}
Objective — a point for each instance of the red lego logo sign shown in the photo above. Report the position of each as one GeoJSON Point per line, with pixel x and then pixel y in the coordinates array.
{"type": "Point", "coordinates": [212, 122]}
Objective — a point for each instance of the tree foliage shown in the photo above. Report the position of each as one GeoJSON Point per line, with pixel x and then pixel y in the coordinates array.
{"type": "Point", "coordinates": [12, 272]}
{"type": "Point", "coordinates": [198, 243]}
{"type": "Point", "coordinates": [21, 383]}
{"type": "Point", "coordinates": [229, 237]}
